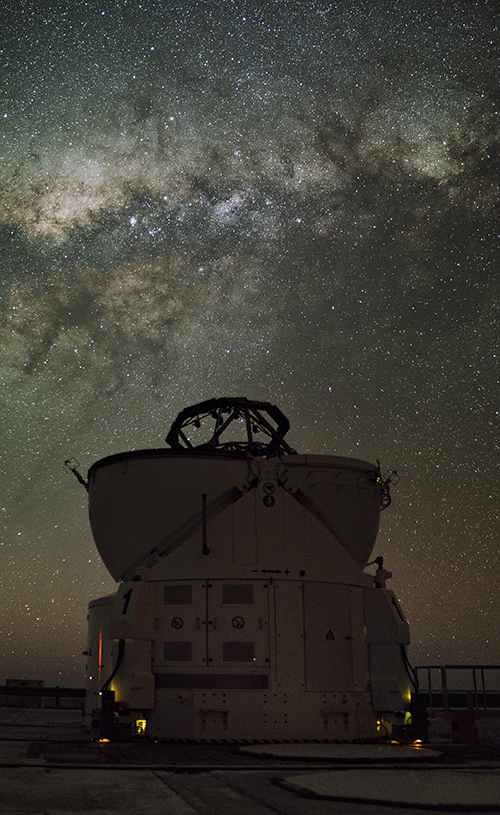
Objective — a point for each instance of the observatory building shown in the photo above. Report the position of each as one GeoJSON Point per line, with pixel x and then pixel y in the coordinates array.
{"type": "Point", "coordinates": [242, 611]}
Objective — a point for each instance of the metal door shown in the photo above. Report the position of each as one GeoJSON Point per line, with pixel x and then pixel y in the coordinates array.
{"type": "Point", "coordinates": [328, 645]}
{"type": "Point", "coordinates": [181, 625]}
{"type": "Point", "coordinates": [213, 623]}
{"type": "Point", "coordinates": [238, 623]}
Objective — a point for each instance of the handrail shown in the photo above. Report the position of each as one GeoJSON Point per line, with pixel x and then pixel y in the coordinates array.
{"type": "Point", "coordinates": [41, 692]}
{"type": "Point", "coordinates": [480, 696]}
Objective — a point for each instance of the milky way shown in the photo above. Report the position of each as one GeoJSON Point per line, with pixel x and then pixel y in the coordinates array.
{"type": "Point", "coordinates": [291, 202]}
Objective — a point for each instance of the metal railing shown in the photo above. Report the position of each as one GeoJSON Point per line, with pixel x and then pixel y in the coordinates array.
{"type": "Point", "coordinates": [40, 696]}
{"type": "Point", "coordinates": [446, 687]}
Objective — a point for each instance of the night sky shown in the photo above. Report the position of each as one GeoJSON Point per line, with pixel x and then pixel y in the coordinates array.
{"type": "Point", "coordinates": [290, 201]}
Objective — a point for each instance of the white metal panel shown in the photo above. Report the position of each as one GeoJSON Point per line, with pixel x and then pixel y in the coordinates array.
{"type": "Point", "coordinates": [216, 623]}
{"type": "Point", "coordinates": [263, 715]}
{"type": "Point", "coordinates": [289, 635]}
{"type": "Point", "coordinates": [147, 501]}
{"type": "Point", "coordinates": [238, 623]}
{"type": "Point", "coordinates": [386, 631]}
{"type": "Point", "coordinates": [244, 537]}
{"type": "Point", "coordinates": [271, 550]}
{"type": "Point", "coordinates": [328, 646]}
{"type": "Point", "coordinates": [385, 621]}
{"type": "Point", "coordinates": [138, 499]}
{"type": "Point", "coordinates": [346, 494]}
{"type": "Point", "coordinates": [134, 611]}
{"type": "Point", "coordinates": [360, 667]}
{"type": "Point", "coordinates": [181, 625]}
{"type": "Point", "coordinates": [172, 716]}
{"type": "Point", "coordinates": [134, 683]}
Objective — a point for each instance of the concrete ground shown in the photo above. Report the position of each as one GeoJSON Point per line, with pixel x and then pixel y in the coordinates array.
{"type": "Point", "coordinates": [49, 766]}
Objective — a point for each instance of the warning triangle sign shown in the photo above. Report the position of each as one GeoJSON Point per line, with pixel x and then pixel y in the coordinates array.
{"type": "Point", "coordinates": [330, 636]}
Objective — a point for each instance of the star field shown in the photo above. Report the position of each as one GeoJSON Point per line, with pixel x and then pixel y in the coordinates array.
{"type": "Point", "coordinates": [295, 202]}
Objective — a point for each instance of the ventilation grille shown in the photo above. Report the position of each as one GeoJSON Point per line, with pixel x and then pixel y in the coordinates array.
{"type": "Point", "coordinates": [237, 594]}
{"type": "Point", "coordinates": [177, 595]}
{"type": "Point", "coordinates": [177, 651]}
{"type": "Point", "coordinates": [238, 651]}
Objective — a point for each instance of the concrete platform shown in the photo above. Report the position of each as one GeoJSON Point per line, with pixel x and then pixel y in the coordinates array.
{"type": "Point", "coordinates": [54, 792]}
{"type": "Point", "coordinates": [48, 765]}
{"type": "Point", "coordinates": [344, 753]}
{"type": "Point", "coordinates": [30, 723]}
{"type": "Point", "coordinates": [456, 790]}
